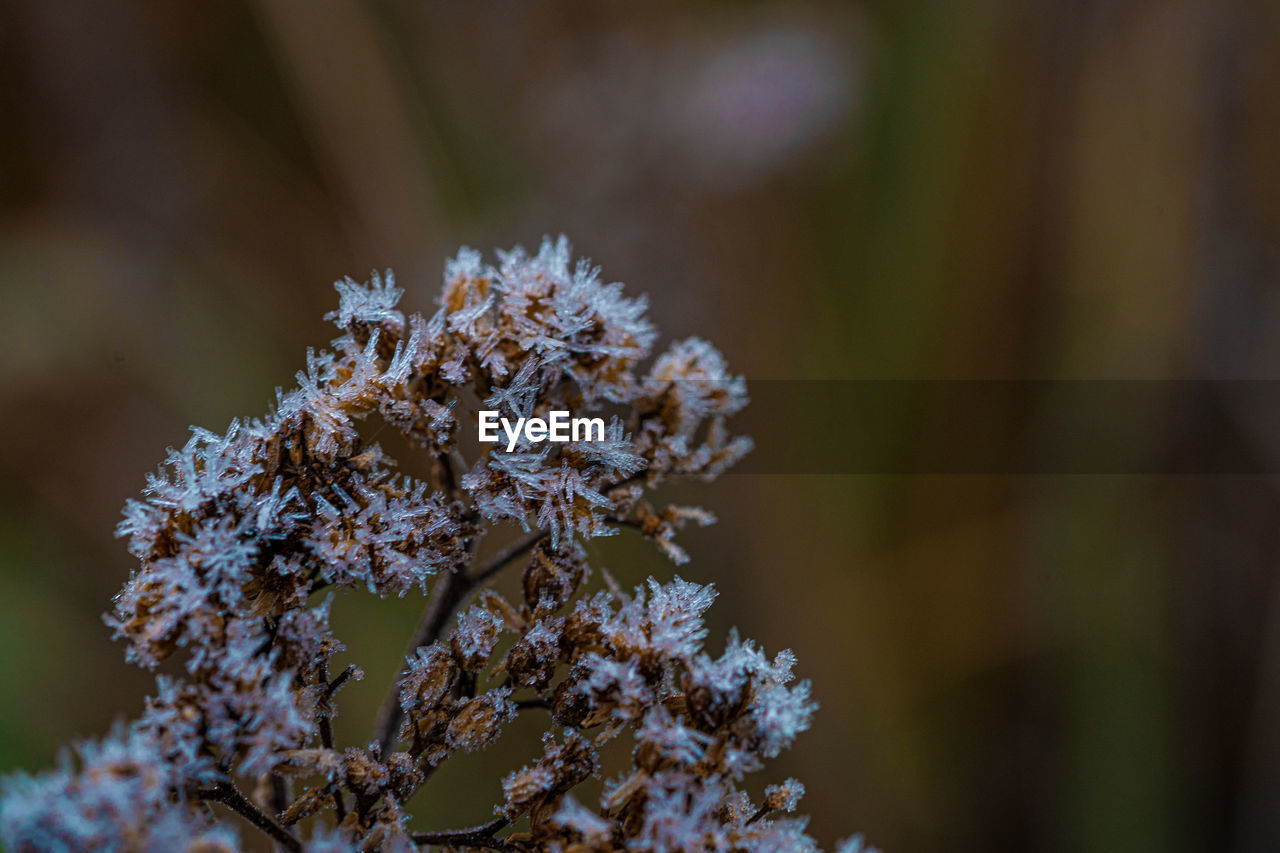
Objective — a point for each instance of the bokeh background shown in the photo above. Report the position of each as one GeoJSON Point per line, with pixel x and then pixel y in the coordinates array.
{"type": "Point", "coordinates": [896, 189]}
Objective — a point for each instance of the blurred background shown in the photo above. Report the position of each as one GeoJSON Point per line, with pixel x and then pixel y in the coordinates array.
{"type": "Point", "coordinates": [896, 189]}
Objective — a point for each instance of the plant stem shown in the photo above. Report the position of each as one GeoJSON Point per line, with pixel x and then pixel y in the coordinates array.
{"type": "Point", "coordinates": [449, 592]}
{"type": "Point", "coordinates": [331, 687]}
{"type": "Point", "coordinates": [326, 729]}
{"type": "Point", "coordinates": [475, 836]}
{"type": "Point", "coordinates": [228, 795]}
{"type": "Point", "coordinates": [499, 561]}
{"type": "Point", "coordinates": [279, 793]}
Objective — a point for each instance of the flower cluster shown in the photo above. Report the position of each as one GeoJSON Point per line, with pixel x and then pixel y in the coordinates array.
{"type": "Point", "coordinates": [244, 538]}
{"type": "Point", "coordinates": [118, 794]}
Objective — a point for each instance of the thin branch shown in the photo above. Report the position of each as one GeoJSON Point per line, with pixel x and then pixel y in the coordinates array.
{"type": "Point", "coordinates": [332, 687]}
{"type": "Point", "coordinates": [449, 592]}
{"type": "Point", "coordinates": [537, 702]}
{"type": "Point", "coordinates": [634, 478]}
{"type": "Point", "coordinates": [326, 740]}
{"type": "Point", "coordinates": [448, 479]}
{"type": "Point", "coordinates": [475, 836]}
{"type": "Point", "coordinates": [326, 730]}
{"type": "Point", "coordinates": [228, 795]}
{"type": "Point", "coordinates": [500, 560]}
{"type": "Point", "coordinates": [279, 793]}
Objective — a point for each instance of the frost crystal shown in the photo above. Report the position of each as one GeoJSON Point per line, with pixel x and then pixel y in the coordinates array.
{"type": "Point", "coordinates": [121, 793]}
{"type": "Point", "coordinates": [246, 539]}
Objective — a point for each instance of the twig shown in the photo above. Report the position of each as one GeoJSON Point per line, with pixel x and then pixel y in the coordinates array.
{"type": "Point", "coordinates": [634, 478]}
{"type": "Point", "coordinates": [326, 740]}
{"type": "Point", "coordinates": [228, 795]}
{"type": "Point", "coordinates": [499, 560]}
{"type": "Point", "coordinates": [279, 793]}
{"type": "Point", "coordinates": [475, 836]}
{"type": "Point", "coordinates": [332, 687]}
{"type": "Point", "coordinates": [326, 729]}
{"type": "Point", "coordinates": [449, 592]}
{"type": "Point", "coordinates": [448, 480]}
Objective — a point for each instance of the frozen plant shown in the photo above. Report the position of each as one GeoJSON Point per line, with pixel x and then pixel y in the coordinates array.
{"type": "Point", "coordinates": [245, 537]}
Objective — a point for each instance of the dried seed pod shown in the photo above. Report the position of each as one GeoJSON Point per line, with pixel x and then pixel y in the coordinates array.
{"type": "Point", "coordinates": [430, 676]}
{"type": "Point", "coordinates": [473, 641]}
{"type": "Point", "coordinates": [552, 577]}
{"type": "Point", "coordinates": [570, 706]}
{"type": "Point", "coordinates": [479, 721]}
{"type": "Point", "coordinates": [310, 802]}
{"type": "Point", "coordinates": [533, 659]}
{"type": "Point", "coordinates": [561, 767]}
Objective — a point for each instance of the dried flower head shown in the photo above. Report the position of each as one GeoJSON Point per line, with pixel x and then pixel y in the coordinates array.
{"type": "Point", "coordinates": [243, 539]}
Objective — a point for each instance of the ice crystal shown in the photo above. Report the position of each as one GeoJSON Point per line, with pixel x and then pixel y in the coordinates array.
{"type": "Point", "coordinates": [784, 797]}
{"type": "Point", "coordinates": [371, 305]}
{"type": "Point", "coordinates": [121, 793]}
{"type": "Point", "coordinates": [475, 637]}
{"type": "Point", "coordinates": [245, 538]}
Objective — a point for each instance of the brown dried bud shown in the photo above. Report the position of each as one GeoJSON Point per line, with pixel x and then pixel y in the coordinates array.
{"type": "Point", "coordinates": [308, 762]}
{"type": "Point", "coordinates": [311, 801]}
{"type": "Point", "coordinates": [475, 638]}
{"type": "Point", "coordinates": [784, 797]}
{"type": "Point", "coordinates": [711, 709]}
{"type": "Point", "coordinates": [405, 775]}
{"type": "Point", "coordinates": [582, 627]}
{"type": "Point", "coordinates": [533, 660]}
{"type": "Point", "coordinates": [479, 722]}
{"type": "Point", "coordinates": [364, 775]}
{"type": "Point", "coordinates": [532, 789]}
{"type": "Point", "coordinates": [525, 787]}
{"type": "Point", "coordinates": [500, 607]}
{"type": "Point", "coordinates": [570, 707]}
{"type": "Point", "coordinates": [430, 677]}
{"type": "Point", "coordinates": [551, 578]}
